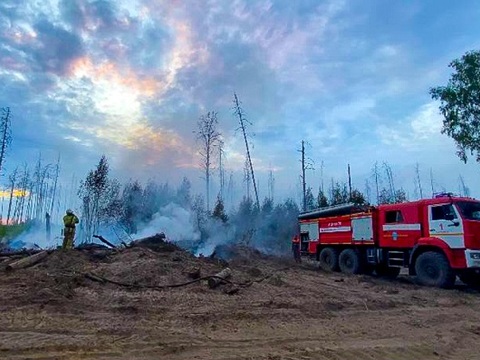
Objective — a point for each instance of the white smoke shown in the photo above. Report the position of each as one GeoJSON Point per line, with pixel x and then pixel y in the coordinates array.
{"type": "Point", "coordinates": [36, 237]}
{"type": "Point", "coordinates": [176, 222]}
{"type": "Point", "coordinates": [218, 234]}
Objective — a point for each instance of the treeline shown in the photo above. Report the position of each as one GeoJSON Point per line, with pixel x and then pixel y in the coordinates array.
{"type": "Point", "coordinates": [131, 207]}
{"type": "Point", "coordinates": [379, 189]}
{"type": "Point", "coordinates": [31, 193]}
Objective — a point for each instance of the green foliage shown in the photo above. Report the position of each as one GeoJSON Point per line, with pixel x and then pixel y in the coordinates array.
{"type": "Point", "coordinates": [8, 232]}
{"type": "Point", "coordinates": [460, 104]}
{"type": "Point", "coordinates": [184, 197]}
{"type": "Point", "coordinates": [358, 198]}
{"type": "Point", "coordinates": [339, 194]}
{"type": "Point", "coordinates": [132, 200]}
{"type": "Point", "coordinates": [99, 197]}
{"type": "Point", "coordinates": [310, 199]}
{"type": "Point", "coordinates": [322, 200]}
{"type": "Point", "coordinates": [267, 206]}
{"type": "Point", "coordinates": [275, 227]}
{"type": "Point", "coordinates": [386, 196]}
{"type": "Point", "coordinates": [219, 211]}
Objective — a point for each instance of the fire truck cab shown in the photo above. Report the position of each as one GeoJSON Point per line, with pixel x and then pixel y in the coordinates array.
{"type": "Point", "coordinates": [436, 239]}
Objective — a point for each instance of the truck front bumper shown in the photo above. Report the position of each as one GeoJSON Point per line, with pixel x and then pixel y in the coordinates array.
{"type": "Point", "coordinates": [472, 258]}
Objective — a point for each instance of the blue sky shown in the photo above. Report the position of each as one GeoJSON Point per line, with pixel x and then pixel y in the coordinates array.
{"type": "Point", "coordinates": [130, 78]}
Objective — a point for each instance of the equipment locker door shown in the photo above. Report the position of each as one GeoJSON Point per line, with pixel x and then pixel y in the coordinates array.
{"type": "Point", "coordinates": [308, 233]}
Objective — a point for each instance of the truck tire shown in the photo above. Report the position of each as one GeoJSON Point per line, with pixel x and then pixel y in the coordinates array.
{"type": "Point", "coordinates": [387, 272]}
{"type": "Point", "coordinates": [350, 262]}
{"type": "Point", "coordinates": [433, 269]}
{"type": "Point", "coordinates": [470, 278]}
{"type": "Point", "coordinates": [328, 259]}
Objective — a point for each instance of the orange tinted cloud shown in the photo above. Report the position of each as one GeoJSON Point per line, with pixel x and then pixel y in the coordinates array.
{"type": "Point", "coordinates": [153, 143]}
{"type": "Point", "coordinates": [110, 72]}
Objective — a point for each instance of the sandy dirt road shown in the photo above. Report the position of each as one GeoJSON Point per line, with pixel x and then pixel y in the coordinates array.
{"type": "Point", "coordinates": [51, 311]}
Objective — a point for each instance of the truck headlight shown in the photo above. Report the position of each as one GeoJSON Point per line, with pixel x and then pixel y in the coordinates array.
{"type": "Point", "coordinates": [475, 256]}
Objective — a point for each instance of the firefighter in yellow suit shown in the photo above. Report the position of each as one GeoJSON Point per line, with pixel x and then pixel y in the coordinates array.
{"type": "Point", "coordinates": [70, 220]}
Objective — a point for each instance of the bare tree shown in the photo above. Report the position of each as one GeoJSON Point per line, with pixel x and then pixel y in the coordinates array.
{"type": "Point", "coordinates": [271, 185]}
{"type": "Point", "coordinates": [246, 179]}
{"type": "Point", "coordinates": [23, 193]}
{"type": "Point", "coordinates": [12, 180]}
{"type": "Point", "coordinates": [376, 175]}
{"type": "Point", "coordinates": [418, 182]}
{"type": "Point", "coordinates": [432, 182]}
{"type": "Point", "coordinates": [307, 164]}
{"type": "Point", "coordinates": [464, 189]}
{"type": "Point", "coordinates": [5, 134]}
{"type": "Point", "coordinates": [209, 139]}
{"type": "Point", "coordinates": [321, 177]}
{"type": "Point", "coordinates": [243, 121]}
{"type": "Point", "coordinates": [231, 188]}
{"type": "Point", "coordinates": [221, 170]}
{"type": "Point", "coordinates": [54, 191]}
{"type": "Point", "coordinates": [368, 191]}
{"type": "Point", "coordinates": [389, 174]}
{"type": "Point", "coordinates": [349, 181]}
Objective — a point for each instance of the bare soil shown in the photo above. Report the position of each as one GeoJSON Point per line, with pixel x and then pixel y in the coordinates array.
{"type": "Point", "coordinates": [281, 311]}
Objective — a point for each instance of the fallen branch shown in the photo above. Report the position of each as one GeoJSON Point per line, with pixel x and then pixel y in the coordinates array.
{"type": "Point", "coordinates": [26, 262]}
{"type": "Point", "coordinates": [103, 280]}
{"type": "Point", "coordinates": [105, 241]}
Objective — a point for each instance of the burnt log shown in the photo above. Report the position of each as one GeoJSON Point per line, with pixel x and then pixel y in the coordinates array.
{"type": "Point", "coordinates": [28, 261]}
{"type": "Point", "coordinates": [219, 278]}
{"type": "Point", "coordinates": [105, 241]}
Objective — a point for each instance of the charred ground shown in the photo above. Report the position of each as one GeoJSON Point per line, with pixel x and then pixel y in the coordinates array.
{"type": "Point", "coordinates": [281, 310]}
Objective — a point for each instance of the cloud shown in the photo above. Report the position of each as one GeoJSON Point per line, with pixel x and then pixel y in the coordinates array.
{"type": "Point", "coordinates": [55, 48]}
{"type": "Point", "coordinates": [413, 133]}
{"type": "Point", "coordinates": [130, 79]}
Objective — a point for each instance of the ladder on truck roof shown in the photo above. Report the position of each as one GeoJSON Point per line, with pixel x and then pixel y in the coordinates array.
{"type": "Point", "coordinates": [335, 210]}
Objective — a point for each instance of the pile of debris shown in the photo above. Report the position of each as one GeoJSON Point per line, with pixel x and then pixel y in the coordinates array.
{"type": "Point", "coordinates": [148, 263]}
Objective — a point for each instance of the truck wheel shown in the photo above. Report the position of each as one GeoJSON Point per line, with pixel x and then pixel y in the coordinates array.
{"type": "Point", "coordinates": [349, 262]}
{"type": "Point", "coordinates": [433, 269]}
{"type": "Point", "coordinates": [387, 272]}
{"type": "Point", "coordinates": [470, 278]}
{"type": "Point", "coordinates": [328, 259]}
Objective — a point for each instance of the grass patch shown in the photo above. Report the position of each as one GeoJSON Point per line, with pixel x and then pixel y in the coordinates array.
{"type": "Point", "coordinates": [9, 232]}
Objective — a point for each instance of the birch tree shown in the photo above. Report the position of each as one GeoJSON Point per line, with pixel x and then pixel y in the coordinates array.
{"type": "Point", "coordinates": [209, 139]}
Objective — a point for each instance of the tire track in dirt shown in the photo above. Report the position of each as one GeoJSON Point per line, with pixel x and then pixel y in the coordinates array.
{"type": "Point", "coordinates": [36, 345]}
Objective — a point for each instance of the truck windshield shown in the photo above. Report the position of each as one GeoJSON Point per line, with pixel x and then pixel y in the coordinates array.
{"type": "Point", "coordinates": [470, 210]}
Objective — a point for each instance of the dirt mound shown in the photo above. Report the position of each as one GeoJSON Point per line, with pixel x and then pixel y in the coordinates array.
{"type": "Point", "coordinates": [143, 266]}
{"type": "Point", "coordinates": [270, 309]}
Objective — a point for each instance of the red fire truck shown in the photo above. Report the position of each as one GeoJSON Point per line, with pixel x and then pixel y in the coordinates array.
{"type": "Point", "coordinates": [436, 239]}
